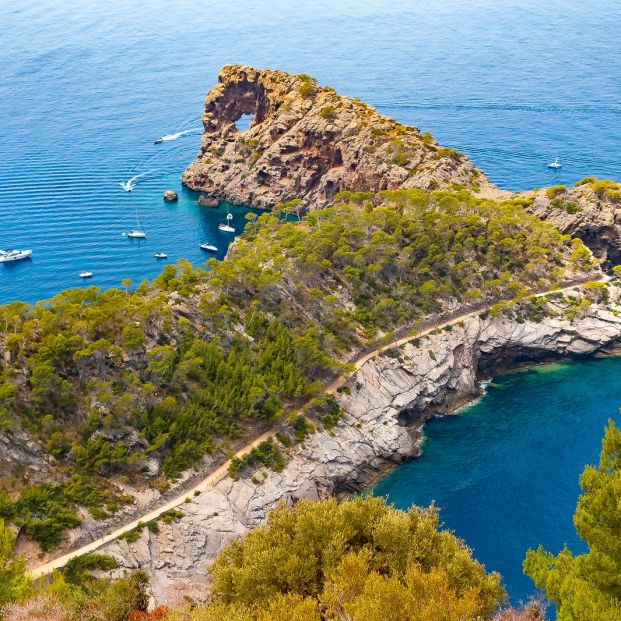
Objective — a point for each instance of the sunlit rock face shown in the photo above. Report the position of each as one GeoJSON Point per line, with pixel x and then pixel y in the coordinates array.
{"type": "Point", "coordinates": [307, 142]}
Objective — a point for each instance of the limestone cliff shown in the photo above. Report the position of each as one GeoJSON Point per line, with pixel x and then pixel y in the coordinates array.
{"type": "Point", "coordinates": [590, 211]}
{"type": "Point", "coordinates": [307, 142]}
{"type": "Point", "coordinates": [385, 404]}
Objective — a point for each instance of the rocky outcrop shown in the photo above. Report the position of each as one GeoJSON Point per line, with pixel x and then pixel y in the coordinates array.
{"type": "Point", "coordinates": [385, 404]}
{"type": "Point", "coordinates": [591, 212]}
{"type": "Point", "coordinates": [307, 142]}
{"type": "Point", "coordinates": [170, 196]}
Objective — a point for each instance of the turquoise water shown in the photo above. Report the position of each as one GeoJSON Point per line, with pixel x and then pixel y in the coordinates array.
{"type": "Point", "coordinates": [505, 471]}
{"type": "Point", "coordinates": [85, 88]}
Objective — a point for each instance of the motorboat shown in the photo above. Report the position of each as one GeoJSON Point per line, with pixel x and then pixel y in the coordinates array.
{"type": "Point", "coordinates": [7, 256]}
{"type": "Point", "coordinates": [86, 274]}
{"type": "Point", "coordinates": [158, 141]}
{"type": "Point", "coordinates": [160, 255]}
{"type": "Point", "coordinates": [555, 164]}
{"type": "Point", "coordinates": [208, 247]}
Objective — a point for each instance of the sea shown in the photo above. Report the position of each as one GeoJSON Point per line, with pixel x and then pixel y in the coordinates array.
{"type": "Point", "coordinates": [504, 471]}
{"type": "Point", "coordinates": [86, 87]}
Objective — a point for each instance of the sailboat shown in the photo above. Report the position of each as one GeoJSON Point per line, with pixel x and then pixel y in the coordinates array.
{"type": "Point", "coordinates": [226, 226]}
{"type": "Point", "coordinates": [556, 163]}
{"type": "Point", "coordinates": [139, 232]}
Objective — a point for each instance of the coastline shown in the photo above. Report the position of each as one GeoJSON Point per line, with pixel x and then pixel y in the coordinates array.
{"type": "Point", "coordinates": [385, 403]}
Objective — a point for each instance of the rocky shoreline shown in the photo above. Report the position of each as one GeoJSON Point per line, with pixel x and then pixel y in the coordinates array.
{"type": "Point", "coordinates": [385, 405]}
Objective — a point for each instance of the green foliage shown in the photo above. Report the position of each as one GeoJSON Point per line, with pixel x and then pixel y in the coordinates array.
{"type": "Point", "coordinates": [355, 560]}
{"type": "Point", "coordinates": [78, 569]}
{"type": "Point", "coordinates": [254, 336]}
{"type": "Point", "coordinates": [14, 584]}
{"type": "Point", "coordinates": [328, 112]}
{"type": "Point", "coordinates": [266, 454]}
{"type": "Point", "coordinates": [588, 586]}
{"type": "Point", "coordinates": [585, 181]}
{"type": "Point", "coordinates": [327, 410]}
{"type": "Point", "coordinates": [555, 190]}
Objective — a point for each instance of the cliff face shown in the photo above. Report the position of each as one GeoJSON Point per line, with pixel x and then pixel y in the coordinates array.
{"type": "Point", "coordinates": [307, 142]}
{"type": "Point", "coordinates": [389, 399]}
{"type": "Point", "coordinates": [591, 211]}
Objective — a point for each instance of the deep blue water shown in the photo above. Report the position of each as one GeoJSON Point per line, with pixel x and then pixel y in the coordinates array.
{"type": "Point", "coordinates": [505, 470]}
{"type": "Point", "coordinates": [85, 87]}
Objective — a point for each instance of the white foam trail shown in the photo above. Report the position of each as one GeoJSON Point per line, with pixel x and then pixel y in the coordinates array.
{"type": "Point", "coordinates": [185, 132]}
{"type": "Point", "coordinates": [129, 185]}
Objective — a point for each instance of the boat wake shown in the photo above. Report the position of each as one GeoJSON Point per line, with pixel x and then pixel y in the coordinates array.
{"type": "Point", "coordinates": [184, 132]}
{"type": "Point", "coordinates": [130, 184]}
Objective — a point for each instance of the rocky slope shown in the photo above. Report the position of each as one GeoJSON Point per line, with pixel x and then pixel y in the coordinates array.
{"type": "Point", "coordinates": [307, 142]}
{"type": "Point", "coordinates": [385, 404]}
{"type": "Point", "coordinates": [590, 211]}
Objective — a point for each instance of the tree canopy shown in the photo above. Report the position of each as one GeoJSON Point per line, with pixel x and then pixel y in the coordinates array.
{"type": "Point", "coordinates": [587, 586]}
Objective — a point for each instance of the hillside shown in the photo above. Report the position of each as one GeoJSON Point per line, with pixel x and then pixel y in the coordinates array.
{"type": "Point", "coordinates": [109, 392]}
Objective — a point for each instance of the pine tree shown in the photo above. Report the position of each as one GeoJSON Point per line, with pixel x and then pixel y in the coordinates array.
{"type": "Point", "coordinates": [588, 586]}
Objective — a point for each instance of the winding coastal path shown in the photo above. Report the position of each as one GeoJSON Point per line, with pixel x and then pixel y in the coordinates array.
{"type": "Point", "coordinates": [222, 471]}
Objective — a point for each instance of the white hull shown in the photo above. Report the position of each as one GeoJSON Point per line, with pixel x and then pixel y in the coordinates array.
{"type": "Point", "coordinates": [208, 247]}
{"type": "Point", "coordinates": [137, 235]}
{"type": "Point", "coordinates": [226, 228]}
{"type": "Point", "coordinates": [8, 256]}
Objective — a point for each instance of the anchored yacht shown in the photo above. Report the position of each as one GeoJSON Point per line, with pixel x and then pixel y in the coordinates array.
{"type": "Point", "coordinates": [226, 226]}
{"type": "Point", "coordinates": [208, 247]}
{"type": "Point", "coordinates": [555, 164]}
{"type": "Point", "coordinates": [6, 256]}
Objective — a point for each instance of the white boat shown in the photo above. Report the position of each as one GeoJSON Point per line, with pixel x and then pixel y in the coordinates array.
{"type": "Point", "coordinates": [226, 227]}
{"type": "Point", "coordinates": [160, 255]}
{"type": "Point", "coordinates": [6, 256]}
{"type": "Point", "coordinates": [555, 164]}
{"type": "Point", "coordinates": [139, 232]}
{"type": "Point", "coordinates": [209, 247]}
{"type": "Point", "coordinates": [86, 274]}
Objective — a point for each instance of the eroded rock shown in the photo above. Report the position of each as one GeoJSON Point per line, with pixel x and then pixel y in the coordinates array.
{"type": "Point", "coordinates": [307, 142]}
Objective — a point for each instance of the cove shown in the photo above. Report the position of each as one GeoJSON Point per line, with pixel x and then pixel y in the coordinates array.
{"type": "Point", "coordinates": [505, 470]}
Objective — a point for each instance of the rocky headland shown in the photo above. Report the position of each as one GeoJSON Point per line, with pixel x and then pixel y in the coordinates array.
{"type": "Point", "coordinates": [385, 404]}
{"type": "Point", "coordinates": [305, 141]}
{"type": "Point", "coordinates": [306, 144]}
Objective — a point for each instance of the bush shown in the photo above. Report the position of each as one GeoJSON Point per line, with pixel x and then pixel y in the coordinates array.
{"type": "Point", "coordinates": [353, 561]}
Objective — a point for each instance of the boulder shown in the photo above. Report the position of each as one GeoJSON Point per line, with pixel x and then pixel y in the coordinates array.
{"type": "Point", "coordinates": [208, 201]}
{"type": "Point", "coordinates": [170, 196]}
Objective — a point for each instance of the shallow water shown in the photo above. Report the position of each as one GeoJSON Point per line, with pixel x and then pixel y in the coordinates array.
{"type": "Point", "coordinates": [505, 470]}
{"type": "Point", "coordinates": [85, 88]}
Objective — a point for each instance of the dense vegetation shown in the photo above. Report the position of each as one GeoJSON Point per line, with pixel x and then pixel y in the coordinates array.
{"type": "Point", "coordinates": [588, 586]}
{"type": "Point", "coordinates": [361, 561]}
{"type": "Point", "coordinates": [121, 384]}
